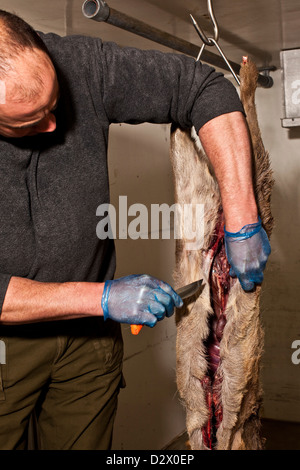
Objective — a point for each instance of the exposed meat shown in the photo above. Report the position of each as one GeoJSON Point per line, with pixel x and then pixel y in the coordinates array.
{"type": "Point", "coordinates": [219, 281]}
{"type": "Point", "coordinates": [220, 338]}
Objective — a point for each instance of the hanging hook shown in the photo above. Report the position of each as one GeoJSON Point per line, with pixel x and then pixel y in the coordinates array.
{"type": "Point", "coordinates": [209, 41]}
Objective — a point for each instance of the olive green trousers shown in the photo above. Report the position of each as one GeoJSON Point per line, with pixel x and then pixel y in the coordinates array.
{"type": "Point", "coordinates": [69, 374]}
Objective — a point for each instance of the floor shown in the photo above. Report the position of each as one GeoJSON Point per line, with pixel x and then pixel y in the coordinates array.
{"type": "Point", "coordinates": [279, 435]}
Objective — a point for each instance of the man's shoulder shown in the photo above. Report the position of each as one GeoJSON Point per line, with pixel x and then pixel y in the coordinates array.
{"type": "Point", "coordinates": [69, 52]}
{"type": "Point", "coordinates": [54, 41]}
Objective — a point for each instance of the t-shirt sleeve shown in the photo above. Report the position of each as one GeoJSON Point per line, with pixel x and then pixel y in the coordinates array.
{"type": "Point", "coordinates": [151, 86]}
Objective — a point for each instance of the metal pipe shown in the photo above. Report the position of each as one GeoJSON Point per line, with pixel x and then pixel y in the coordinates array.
{"type": "Point", "coordinates": [98, 10]}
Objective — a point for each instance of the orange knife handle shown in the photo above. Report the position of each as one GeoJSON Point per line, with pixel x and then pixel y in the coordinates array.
{"type": "Point", "coordinates": [135, 329]}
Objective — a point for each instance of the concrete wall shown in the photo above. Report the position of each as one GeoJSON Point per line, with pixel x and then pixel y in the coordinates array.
{"type": "Point", "coordinates": [149, 413]}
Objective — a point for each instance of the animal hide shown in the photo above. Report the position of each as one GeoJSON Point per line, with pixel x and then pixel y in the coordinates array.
{"type": "Point", "coordinates": [219, 331]}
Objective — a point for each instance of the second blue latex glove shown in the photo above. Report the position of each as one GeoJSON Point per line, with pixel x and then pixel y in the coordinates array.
{"type": "Point", "coordinates": [138, 300]}
{"type": "Point", "coordinates": [247, 253]}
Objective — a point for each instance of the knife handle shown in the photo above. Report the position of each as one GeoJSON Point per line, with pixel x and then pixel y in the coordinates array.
{"type": "Point", "coordinates": [135, 329]}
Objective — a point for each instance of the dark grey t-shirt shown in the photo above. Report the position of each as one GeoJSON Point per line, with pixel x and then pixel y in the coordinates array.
{"type": "Point", "coordinates": [52, 184]}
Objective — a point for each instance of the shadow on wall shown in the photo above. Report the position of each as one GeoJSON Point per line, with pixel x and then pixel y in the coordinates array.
{"type": "Point", "coordinates": [294, 133]}
{"type": "Point", "coordinates": [140, 169]}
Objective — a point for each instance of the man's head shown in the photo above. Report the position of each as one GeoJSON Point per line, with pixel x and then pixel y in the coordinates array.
{"type": "Point", "coordinates": [29, 89]}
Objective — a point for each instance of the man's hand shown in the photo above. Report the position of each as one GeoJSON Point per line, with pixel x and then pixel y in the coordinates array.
{"type": "Point", "coordinates": [139, 300]}
{"type": "Point", "coordinates": [247, 252]}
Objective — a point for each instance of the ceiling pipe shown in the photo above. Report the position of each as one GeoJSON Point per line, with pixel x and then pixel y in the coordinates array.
{"type": "Point", "coordinates": [98, 10]}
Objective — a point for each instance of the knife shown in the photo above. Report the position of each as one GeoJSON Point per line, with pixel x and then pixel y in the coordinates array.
{"type": "Point", "coordinates": [183, 292]}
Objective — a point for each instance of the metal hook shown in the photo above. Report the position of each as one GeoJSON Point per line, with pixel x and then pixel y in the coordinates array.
{"type": "Point", "coordinates": [209, 41]}
{"type": "Point", "coordinates": [204, 38]}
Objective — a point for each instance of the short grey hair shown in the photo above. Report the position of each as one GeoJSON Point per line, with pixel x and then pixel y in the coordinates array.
{"type": "Point", "coordinates": [18, 37]}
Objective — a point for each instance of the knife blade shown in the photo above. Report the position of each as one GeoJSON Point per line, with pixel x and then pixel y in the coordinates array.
{"type": "Point", "coordinates": [184, 292]}
{"type": "Point", "coordinates": [189, 290]}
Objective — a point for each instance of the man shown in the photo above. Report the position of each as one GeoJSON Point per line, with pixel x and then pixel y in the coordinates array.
{"type": "Point", "coordinates": [60, 309]}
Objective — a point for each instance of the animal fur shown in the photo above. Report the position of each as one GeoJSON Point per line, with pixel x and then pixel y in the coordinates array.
{"type": "Point", "coordinates": [236, 385]}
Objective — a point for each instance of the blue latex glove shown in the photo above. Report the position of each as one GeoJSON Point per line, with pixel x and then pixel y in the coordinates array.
{"type": "Point", "coordinates": [247, 252]}
{"type": "Point", "coordinates": [138, 300]}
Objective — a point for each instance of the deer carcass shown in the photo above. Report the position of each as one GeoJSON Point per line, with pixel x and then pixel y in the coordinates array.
{"type": "Point", "coordinates": [219, 332]}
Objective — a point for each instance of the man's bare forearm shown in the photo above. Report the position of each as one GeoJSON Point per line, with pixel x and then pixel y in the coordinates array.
{"type": "Point", "coordinates": [28, 301]}
{"type": "Point", "coordinates": [227, 144]}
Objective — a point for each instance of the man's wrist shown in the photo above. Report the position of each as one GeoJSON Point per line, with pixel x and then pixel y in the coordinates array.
{"type": "Point", "coordinates": [240, 215]}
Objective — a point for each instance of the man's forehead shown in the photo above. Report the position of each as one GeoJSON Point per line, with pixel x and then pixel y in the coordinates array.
{"type": "Point", "coordinates": [28, 112]}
